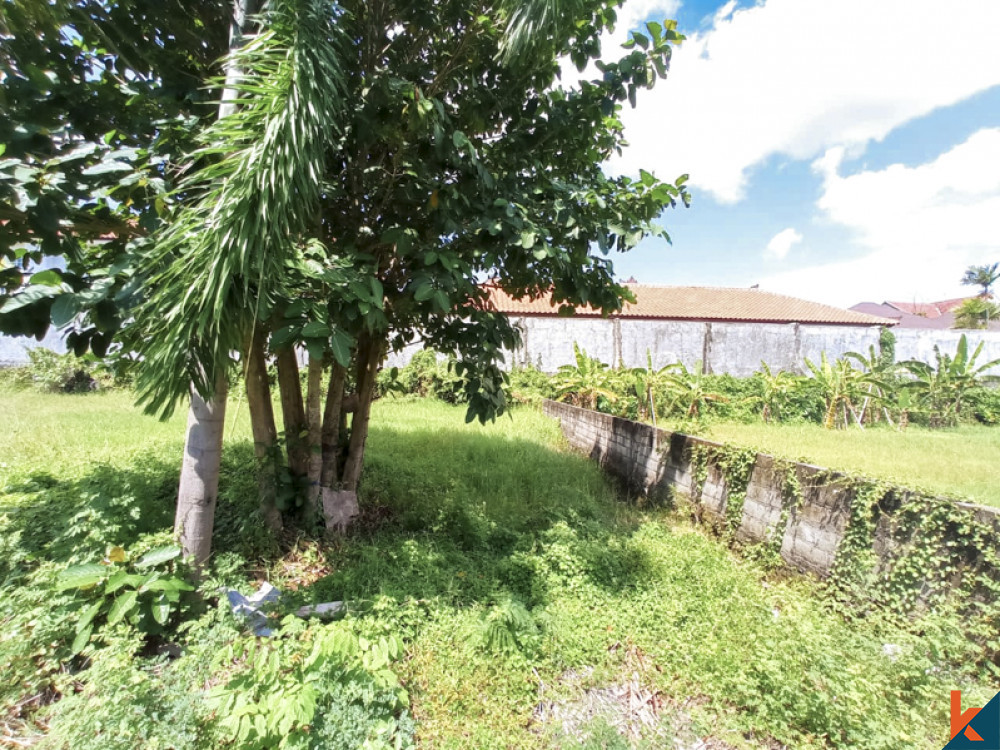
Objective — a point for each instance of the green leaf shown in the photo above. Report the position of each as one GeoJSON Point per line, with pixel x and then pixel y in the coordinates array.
{"type": "Point", "coordinates": [81, 640]}
{"type": "Point", "coordinates": [122, 578]}
{"type": "Point", "coordinates": [285, 335]}
{"type": "Point", "coordinates": [80, 576]}
{"type": "Point", "coordinates": [168, 584]}
{"type": "Point", "coordinates": [158, 556]}
{"type": "Point", "coordinates": [315, 329]}
{"type": "Point", "coordinates": [122, 606]}
{"type": "Point", "coordinates": [527, 240]}
{"type": "Point", "coordinates": [161, 609]}
{"type": "Point", "coordinates": [423, 292]}
{"type": "Point", "coordinates": [106, 167]}
{"type": "Point", "coordinates": [341, 344]}
{"type": "Point", "coordinates": [64, 309]}
{"type": "Point", "coordinates": [49, 277]}
{"type": "Point", "coordinates": [88, 616]}
{"type": "Point", "coordinates": [29, 296]}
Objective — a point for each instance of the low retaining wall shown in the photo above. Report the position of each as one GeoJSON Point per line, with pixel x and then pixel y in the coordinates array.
{"type": "Point", "coordinates": [815, 518]}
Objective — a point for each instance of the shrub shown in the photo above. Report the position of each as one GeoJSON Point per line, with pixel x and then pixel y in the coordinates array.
{"type": "Point", "coordinates": [427, 376]}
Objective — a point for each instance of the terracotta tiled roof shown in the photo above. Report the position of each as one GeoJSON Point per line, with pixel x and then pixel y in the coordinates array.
{"type": "Point", "coordinates": [929, 309]}
{"type": "Point", "coordinates": [704, 303]}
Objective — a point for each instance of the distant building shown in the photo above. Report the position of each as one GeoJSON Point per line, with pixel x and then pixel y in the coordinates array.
{"type": "Point", "coordinates": [703, 304]}
{"type": "Point", "coordinates": [936, 316]}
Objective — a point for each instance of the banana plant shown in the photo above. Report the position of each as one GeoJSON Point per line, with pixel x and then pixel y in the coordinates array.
{"type": "Point", "coordinates": [842, 386]}
{"type": "Point", "coordinates": [644, 383]}
{"type": "Point", "coordinates": [585, 382]}
{"type": "Point", "coordinates": [689, 391]}
{"type": "Point", "coordinates": [879, 376]}
{"type": "Point", "coordinates": [941, 389]}
{"type": "Point", "coordinates": [776, 386]}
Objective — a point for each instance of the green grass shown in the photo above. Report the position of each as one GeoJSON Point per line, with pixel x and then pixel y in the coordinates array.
{"type": "Point", "coordinates": [960, 462]}
{"type": "Point", "coordinates": [515, 574]}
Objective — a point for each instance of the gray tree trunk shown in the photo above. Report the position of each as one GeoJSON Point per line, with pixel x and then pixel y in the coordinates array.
{"type": "Point", "coordinates": [199, 485]}
{"type": "Point", "coordinates": [199, 482]}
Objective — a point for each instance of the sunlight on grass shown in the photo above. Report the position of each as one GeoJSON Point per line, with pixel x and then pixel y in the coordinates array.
{"type": "Point", "coordinates": [520, 580]}
{"type": "Point", "coordinates": [960, 462]}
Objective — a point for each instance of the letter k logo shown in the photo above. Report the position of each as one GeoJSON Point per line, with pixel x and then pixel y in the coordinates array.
{"type": "Point", "coordinates": [960, 720]}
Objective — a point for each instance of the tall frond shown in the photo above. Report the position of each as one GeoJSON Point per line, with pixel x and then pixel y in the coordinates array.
{"type": "Point", "coordinates": [533, 25]}
{"type": "Point", "coordinates": [246, 208]}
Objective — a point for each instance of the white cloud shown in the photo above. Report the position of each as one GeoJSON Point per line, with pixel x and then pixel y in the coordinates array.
{"type": "Point", "coordinates": [781, 243]}
{"type": "Point", "coordinates": [797, 77]}
{"type": "Point", "coordinates": [921, 226]}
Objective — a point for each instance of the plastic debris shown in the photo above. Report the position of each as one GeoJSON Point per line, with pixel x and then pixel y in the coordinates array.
{"type": "Point", "coordinates": [250, 608]}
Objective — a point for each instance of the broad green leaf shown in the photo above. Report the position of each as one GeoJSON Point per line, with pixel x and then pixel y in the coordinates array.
{"type": "Point", "coordinates": [315, 329]}
{"type": "Point", "coordinates": [81, 640]}
{"type": "Point", "coordinates": [106, 167]}
{"type": "Point", "coordinates": [49, 277]}
{"type": "Point", "coordinates": [341, 344]}
{"type": "Point", "coordinates": [80, 576]}
{"type": "Point", "coordinates": [161, 609]}
{"type": "Point", "coordinates": [122, 578]}
{"type": "Point", "coordinates": [88, 616]}
{"type": "Point", "coordinates": [122, 606]}
{"type": "Point", "coordinates": [28, 297]}
{"type": "Point", "coordinates": [64, 309]}
{"type": "Point", "coordinates": [167, 584]}
{"type": "Point", "coordinates": [158, 556]}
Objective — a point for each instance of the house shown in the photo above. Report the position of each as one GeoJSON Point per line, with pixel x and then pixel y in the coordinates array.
{"type": "Point", "coordinates": [716, 329]}
{"type": "Point", "coordinates": [704, 304]}
{"type": "Point", "coordinates": [938, 316]}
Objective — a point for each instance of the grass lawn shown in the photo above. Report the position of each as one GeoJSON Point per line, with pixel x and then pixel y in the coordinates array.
{"type": "Point", "coordinates": [536, 606]}
{"type": "Point", "coordinates": [963, 462]}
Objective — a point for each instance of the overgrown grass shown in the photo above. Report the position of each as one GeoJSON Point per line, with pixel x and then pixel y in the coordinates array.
{"type": "Point", "coordinates": [520, 582]}
{"type": "Point", "coordinates": [959, 462]}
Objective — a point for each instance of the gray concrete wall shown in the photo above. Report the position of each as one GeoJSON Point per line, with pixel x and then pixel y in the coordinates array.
{"type": "Point", "coordinates": [731, 348]}
{"type": "Point", "coordinates": [650, 461]}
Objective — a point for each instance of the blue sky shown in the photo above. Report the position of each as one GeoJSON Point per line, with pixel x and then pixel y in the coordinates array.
{"type": "Point", "coordinates": [839, 150]}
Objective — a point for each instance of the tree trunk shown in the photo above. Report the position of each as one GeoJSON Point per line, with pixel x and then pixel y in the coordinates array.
{"type": "Point", "coordinates": [315, 426]}
{"type": "Point", "coordinates": [293, 412]}
{"type": "Point", "coordinates": [199, 483]}
{"type": "Point", "coordinates": [331, 425]}
{"type": "Point", "coordinates": [265, 434]}
{"type": "Point", "coordinates": [340, 503]}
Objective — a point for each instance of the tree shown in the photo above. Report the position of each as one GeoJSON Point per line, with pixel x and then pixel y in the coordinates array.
{"type": "Point", "coordinates": [99, 99]}
{"type": "Point", "coordinates": [976, 313]}
{"type": "Point", "coordinates": [585, 382]}
{"type": "Point", "coordinates": [942, 389]}
{"type": "Point", "coordinates": [363, 228]}
{"type": "Point", "coordinates": [984, 276]}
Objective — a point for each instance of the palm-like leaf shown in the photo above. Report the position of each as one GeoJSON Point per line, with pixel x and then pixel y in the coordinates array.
{"type": "Point", "coordinates": [942, 389]}
{"type": "Point", "coordinates": [256, 194]}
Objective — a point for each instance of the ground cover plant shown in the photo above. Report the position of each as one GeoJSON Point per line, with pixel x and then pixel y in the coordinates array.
{"type": "Point", "coordinates": [502, 594]}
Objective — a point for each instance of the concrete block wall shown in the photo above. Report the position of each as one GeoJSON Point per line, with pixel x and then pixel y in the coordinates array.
{"type": "Point", "coordinates": [649, 460]}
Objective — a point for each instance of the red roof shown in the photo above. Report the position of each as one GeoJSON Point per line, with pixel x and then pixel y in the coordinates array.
{"type": "Point", "coordinates": [702, 303]}
{"type": "Point", "coordinates": [929, 309]}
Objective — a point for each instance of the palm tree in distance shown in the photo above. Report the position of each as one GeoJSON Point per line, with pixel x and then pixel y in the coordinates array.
{"type": "Point", "coordinates": [983, 276]}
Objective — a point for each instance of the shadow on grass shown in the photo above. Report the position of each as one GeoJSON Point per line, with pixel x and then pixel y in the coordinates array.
{"type": "Point", "coordinates": [475, 516]}
{"type": "Point", "coordinates": [45, 518]}
{"type": "Point", "coordinates": [463, 514]}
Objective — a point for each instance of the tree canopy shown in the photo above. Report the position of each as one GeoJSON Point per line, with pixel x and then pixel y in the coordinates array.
{"type": "Point", "coordinates": [99, 99]}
